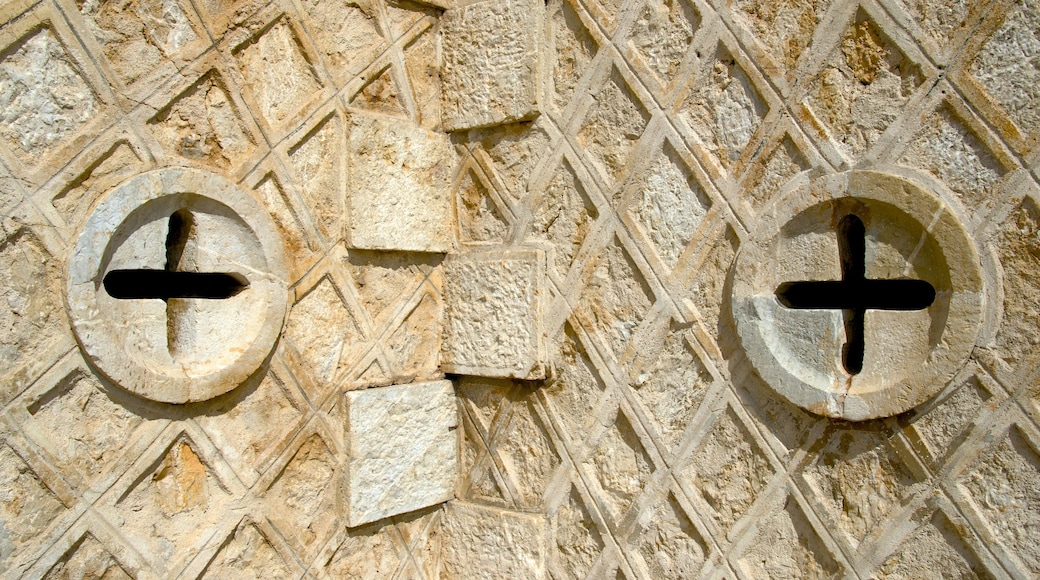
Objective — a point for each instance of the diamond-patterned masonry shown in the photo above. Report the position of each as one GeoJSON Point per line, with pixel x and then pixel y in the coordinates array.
{"type": "Point", "coordinates": [656, 144]}
{"type": "Point", "coordinates": [492, 543]}
{"type": "Point", "coordinates": [403, 449]}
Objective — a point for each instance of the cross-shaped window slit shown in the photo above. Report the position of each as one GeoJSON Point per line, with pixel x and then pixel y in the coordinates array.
{"type": "Point", "coordinates": [854, 294]}
{"type": "Point", "coordinates": [172, 282]}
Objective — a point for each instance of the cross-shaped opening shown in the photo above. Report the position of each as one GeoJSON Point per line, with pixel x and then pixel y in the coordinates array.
{"type": "Point", "coordinates": [176, 282]}
{"type": "Point", "coordinates": [854, 294]}
{"type": "Point", "coordinates": [172, 282]}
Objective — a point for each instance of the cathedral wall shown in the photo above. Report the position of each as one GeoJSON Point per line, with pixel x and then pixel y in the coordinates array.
{"type": "Point", "coordinates": [656, 140]}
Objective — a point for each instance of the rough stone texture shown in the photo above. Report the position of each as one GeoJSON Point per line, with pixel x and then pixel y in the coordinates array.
{"type": "Point", "coordinates": [563, 217]}
{"type": "Point", "coordinates": [863, 85]}
{"type": "Point", "coordinates": [1005, 486]}
{"type": "Point", "coordinates": [572, 47]}
{"type": "Point", "coordinates": [614, 123]}
{"type": "Point", "coordinates": [29, 319]}
{"type": "Point", "coordinates": [489, 543]}
{"type": "Point", "coordinates": [44, 98]}
{"type": "Point", "coordinates": [493, 323]}
{"type": "Point", "coordinates": [729, 470]}
{"type": "Point", "coordinates": [88, 559]}
{"type": "Point", "coordinates": [669, 207]}
{"type": "Point", "coordinates": [185, 347]}
{"type": "Point", "coordinates": [403, 449]}
{"type": "Point", "coordinates": [652, 449]}
{"type": "Point", "coordinates": [784, 27]}
{"type": "Point", "coordinates": [278, 72]}
{"type": "Point", "coordinates": [1006, 65]}
{"type": "Point", "coordinates": [398, 184]}
{"type": "Point", "coordinates": [203, 125]}
{"type": "Point", "coordinates": [723, 107]}
{"type": "Point", "coordinates": [950, 151]}
{"type": "Point", "coordinates": [136, 37]}
{"type": "Point", "coordinates": [662, 33]}
{"type": "Point", "coordinates": [492, 63]}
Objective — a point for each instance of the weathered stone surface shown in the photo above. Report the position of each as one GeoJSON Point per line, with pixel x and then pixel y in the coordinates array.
{"type": "Point", "coordinates": [202, 125]}
{"type": "Point", "coordinates": [183, 346]}
{"type": "Point", "coordinates": [399, 197]}
{"type": "Point", "coordinates": [669, 206]}
{"type": "Point", "coordinates": [613, 126]}
{"type": "Point", "coordinates": [88, 559]}
{"type": "Point", "coordinates": [907, 354]}
{"type": "Point", "coordinates": [724, 107]}
{"type": "Point", "coordinates": [491, 543]}
{"type": "Point", "coordinates": [492, 68]}
{"type": "Point", "coordinates": [1004, 486]}
{"type": "Point", "coordinates": [1005, 65]}
{"type": "Point", "coordinates": [493, 302]}
{"type": "Point", "coordinates": [862, 87]}
{"type": "Point", "coordinates": [247, 553]}
{"type": "Point", "coordinates": [29, 317]}
{"type": "Point", "coordinates": [43, 96]}
{"type": "Point", "coordinates": [278, 72]}
{"type": "Point", "coordinates": [28, 506]}
{"type": "Point", "coordinates": [137, 37]}
{"type": "Point", "coordinates": [403, 449]}
{"type": "Point", "coordinates": [668, 134]}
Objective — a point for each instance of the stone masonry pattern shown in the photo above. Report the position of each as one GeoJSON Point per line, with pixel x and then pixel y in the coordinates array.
{"type": "Point", "coordinates": [652, 451]}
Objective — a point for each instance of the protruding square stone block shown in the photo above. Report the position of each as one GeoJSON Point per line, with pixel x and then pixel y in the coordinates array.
{"type": "Point", "coordinates": [402, 449]}
{"type": "Point", "coordinates": [493, 306]}
{"type": "Point", "coordinates": [398, 192]}
{"type": "Point", "coordinates": [484, 542]}
{"type": "Point", "coordinates": [491, 63]}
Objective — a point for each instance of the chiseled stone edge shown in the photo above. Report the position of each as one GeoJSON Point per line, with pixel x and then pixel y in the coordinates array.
{"type": "Point", "coordinates": [521, 107]}
{"type": "Point", "coordinates": [530, 365]}
{"type": "Point", "coordinates": [379, 483]}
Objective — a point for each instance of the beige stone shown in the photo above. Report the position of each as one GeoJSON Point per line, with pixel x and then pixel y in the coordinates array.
{"type": "Point", "coordinates": [492, 543]}
{"type": "Point", "coordinates": [908, 355]}
{"type": "Point", "coordinates": [493, 303]}
{"type": "Point", "coordinates": [403, 449]}
{"type": "Point", "coordinates": [181, 347]}
{"type": "Point", "coordinates": [648, 149]}
{"type": "Point", "coordinates": [492, 67]}
{"type": "Point", "coordinates": [398, 186]}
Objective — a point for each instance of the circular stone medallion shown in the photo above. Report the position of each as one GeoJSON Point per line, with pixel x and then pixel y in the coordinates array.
{"type": "Point", "coordinates": [177, 285]}
{"type": "Point", "coordinates": [859, 296]}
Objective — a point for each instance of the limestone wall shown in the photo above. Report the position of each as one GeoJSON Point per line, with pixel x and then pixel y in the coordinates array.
{"type": "Point", "coordinates": [666, 133]}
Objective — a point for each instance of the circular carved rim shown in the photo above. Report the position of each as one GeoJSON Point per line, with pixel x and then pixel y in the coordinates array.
{"type": "Point", "coordinates": [112, 219]}
{"type": "Point", "coordinates": [835, 392]}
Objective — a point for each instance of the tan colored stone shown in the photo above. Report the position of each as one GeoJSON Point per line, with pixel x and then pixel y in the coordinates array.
{"type": "Point", "coordinates": [492, 63]}
{"type": "Point", "coordinates": [398, 182]}
{"type": "Point", "coordinates": [403, 449]}
{"type": "Point", "coordinates": [491, 543]}
{"type": "Point", "coordinates": [493, 302]}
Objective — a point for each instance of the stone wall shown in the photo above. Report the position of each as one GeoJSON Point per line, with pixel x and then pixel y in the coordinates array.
{"type": "Point", "coordinates": [667, 131]}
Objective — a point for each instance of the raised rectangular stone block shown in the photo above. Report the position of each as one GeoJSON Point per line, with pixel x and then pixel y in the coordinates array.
{"type": "Point", "coordinates": [493, 310]}
{"type": "Point", "coordinates": [402, 449]}
{"type": "Point", "coordinates": [399, 198]}
{"type": "Point", "coordinates": [485, 542]}
{"type": "Point", "coordinates": [491, 63]}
